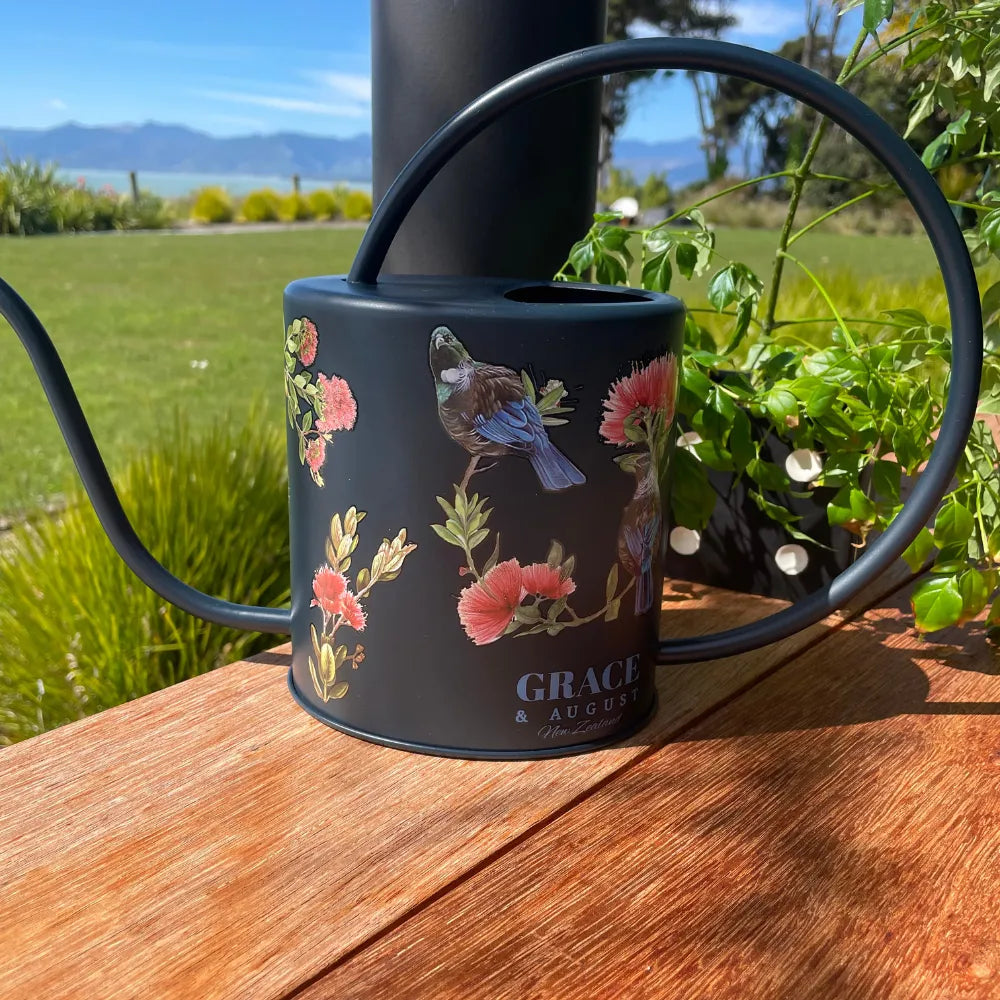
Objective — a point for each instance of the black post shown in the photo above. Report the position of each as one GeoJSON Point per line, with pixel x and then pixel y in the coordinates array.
{"type": "Point", "coordinates": [133, 179]}
{"type": "Point", "coordinates": [512, 202]}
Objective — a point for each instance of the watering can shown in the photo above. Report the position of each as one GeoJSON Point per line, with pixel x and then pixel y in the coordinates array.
{"type": "Point", "coordinates": [477, 467]}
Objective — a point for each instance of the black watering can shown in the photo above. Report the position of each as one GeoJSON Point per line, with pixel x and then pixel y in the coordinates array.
{"type": "Point", "coordinates": [477, 467]}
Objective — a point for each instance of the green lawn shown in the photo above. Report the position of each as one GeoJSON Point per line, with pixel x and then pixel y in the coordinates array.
{"type": "Point", "coordinates": [130, 313]}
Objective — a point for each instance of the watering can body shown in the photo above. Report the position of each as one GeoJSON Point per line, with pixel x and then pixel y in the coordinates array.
{"type": "Point", "coordinates": [476, 504]}
{"type": "Point", "coordinates": [478, 467]}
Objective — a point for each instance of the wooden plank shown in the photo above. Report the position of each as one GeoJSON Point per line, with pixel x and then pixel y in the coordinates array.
{"type": "Point", "coordinates": [834, 834]}
{"type": "Point", "coordinates": [212, 839]}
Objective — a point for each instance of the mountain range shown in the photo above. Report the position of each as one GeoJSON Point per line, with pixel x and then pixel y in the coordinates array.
{"type": "Point", "coordinates": [176, 148]}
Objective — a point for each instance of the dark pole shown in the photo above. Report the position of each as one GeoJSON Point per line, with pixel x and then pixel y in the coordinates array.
{"type": "Point", "coordinates": [517, 197]}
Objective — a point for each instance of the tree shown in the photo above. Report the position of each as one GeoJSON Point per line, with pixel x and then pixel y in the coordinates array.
{"type": "Point", "coordinates": [652, 193]}
{"type": "Point", "coordinates": [666, 17]}
{"type": "Point", "coordinates": [728, 106]}
{"type": "Point", "coordinates": [655, 191]}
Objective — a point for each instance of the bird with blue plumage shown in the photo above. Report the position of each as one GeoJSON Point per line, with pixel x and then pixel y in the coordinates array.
{"type": "Point", "coordinates": [488, 410]}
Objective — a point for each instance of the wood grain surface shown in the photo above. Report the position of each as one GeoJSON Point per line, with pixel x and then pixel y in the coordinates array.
{"type": "Point", "coordinates": [212, 840]}
{"type": "Point", "coordinates": [834, 834]}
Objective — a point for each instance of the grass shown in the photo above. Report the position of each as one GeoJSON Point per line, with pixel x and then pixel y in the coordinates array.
{"type": "Point", "coordinates": [131, 313]}
{"type": "Point", "coordinates": [79, 634]}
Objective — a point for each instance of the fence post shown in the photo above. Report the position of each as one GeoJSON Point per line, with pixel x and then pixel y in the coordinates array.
{"type": "Point", "coordinates": [133, 179]}
{"type": "Point", "coordinates": [515, 199]}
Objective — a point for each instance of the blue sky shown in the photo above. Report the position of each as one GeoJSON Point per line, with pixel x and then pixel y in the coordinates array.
{"type": "Point", "coordinates": [235, 68]}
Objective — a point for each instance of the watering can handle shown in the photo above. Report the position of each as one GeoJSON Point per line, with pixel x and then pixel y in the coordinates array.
{"type": "Point", "coordinates": [871, 131]}
{"type": "Point", "coordinates": [97, 482]}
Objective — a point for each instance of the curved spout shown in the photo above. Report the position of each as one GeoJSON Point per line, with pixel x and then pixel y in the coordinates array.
{"type": "Point", "coordinates": [96, 481]}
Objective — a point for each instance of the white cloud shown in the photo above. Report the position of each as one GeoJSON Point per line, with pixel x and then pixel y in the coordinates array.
{"type": "Point", "coordinates": [754, 19]}
{"type": "Point", "coordinates": [643, 29]}
{"type": "Point", "coordinates": [287, 103]}
{"type": "Point", "coordinates": [57, 104]}
{"type": "Point", "coordinates": [355, 86]}
{"type": "Point", "coordinates": [767, 19]}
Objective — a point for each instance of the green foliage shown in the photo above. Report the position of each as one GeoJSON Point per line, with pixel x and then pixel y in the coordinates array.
{"type": "Point", "coordinates": [621, 184]}
{"type": "Point", "coordinates": [79, 633]}
{"type": "Point", "coordinates": [295, 207]}
{"type": "Point", "coordinates": [213, 205]}
{"type": "Point", "coordinates": [150, 212]}
{"type": "Point", "coordinates": [655, 191]}
{"type": "Point", "coordinates": [867, 394]}
{"type": "Point", "coordinates": [29, 198]}
{"type": "Point", "coordinates": [263, 205]}
{"type": "Point", "coordinates": [324, 204]}
{"type": "Point", "coordinates": [33, 200]}
{"type": "Point", "coordinates": [355, 206]}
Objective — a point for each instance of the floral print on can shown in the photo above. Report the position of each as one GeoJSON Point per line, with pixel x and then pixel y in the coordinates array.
{"type": "Point", "coordinates": [342, 607]}
{"type": "Point", "coordinates": [637, 413]}
{"type": "Point", "coordinates": [493, 411]}
{"type": "Point", "coordinates": [319, 408]}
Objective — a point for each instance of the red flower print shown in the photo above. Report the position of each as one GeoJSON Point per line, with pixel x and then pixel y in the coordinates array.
{"type": "Point", "coordinates": [544, 581]}
{"type": "Point", "coordinates": [331, 593]}
{"type": "Point", "coordinates": [315, 453]}
{"type": "Point", "coordinates": [353, 613]}
{"type": "Point", "coordinates": [641, 393]}
{"type": "Point", "coordinates": [310, 341]}
{"type": "Point", "coordinates": [338, 409]}
{"type": "Point", "coordinates": [487, 607]}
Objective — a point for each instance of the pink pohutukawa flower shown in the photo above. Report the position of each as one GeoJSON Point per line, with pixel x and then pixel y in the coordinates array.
{"type": "Point", "coordinates": [330, 590]}
{"type": "Point", "coordinates": [315, 454]}
{"type": "Point", "coordinates": [337, 407]}
{"type": "Point", "coordinates": [310, 341]}
{"type": "Point", "coordinates": [545, 581]}
{"type": "Point", "coordinates": [353, 613]}
{"type": "Point", "coordinates": [643, 392]}
{"type": "Point", "coordinates": [487, 607]}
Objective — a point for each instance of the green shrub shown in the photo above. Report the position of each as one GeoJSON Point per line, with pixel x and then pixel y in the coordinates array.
{"type": "Point", "coordinates": [212, 205]}
{"type": "Point", "coordinates": [263, 205]}
{"type": "Point", "coordinates": [149, 212]}
{"type": "Point", "coordinates": [357, 205]}
{"type": "Point", "coordinates": [324, 204]}
{"type": "Point", "coordinates": [33, 200]}
{"type": "Point", "coordinates": [111, 210]}
{"type": "Point", "coordinates": [295, 208]}
{"type": "Point", "coordinates": [29, 198]}
{"type": "Point", "coordinates": [76, 210]}
{"type": "Point", "coordinates": [79, 633]}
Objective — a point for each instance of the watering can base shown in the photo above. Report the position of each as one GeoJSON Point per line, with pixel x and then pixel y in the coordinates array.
{"type": "Point", "coordinates": [617, 736]}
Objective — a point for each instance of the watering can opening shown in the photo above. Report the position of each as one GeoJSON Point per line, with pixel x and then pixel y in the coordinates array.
{"type": "Point", "coordinates": [563, 293]}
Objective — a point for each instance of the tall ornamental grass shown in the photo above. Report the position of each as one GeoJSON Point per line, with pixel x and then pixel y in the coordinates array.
{"type": "Point", "coordinates": [79, 633]}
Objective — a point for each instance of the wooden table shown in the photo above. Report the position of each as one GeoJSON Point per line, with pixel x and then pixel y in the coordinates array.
{"type": "Point", "coordinates": [820, 819]}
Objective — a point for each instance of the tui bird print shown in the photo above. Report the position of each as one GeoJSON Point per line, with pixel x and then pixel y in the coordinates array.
{"type": "Point", "coordinates": [486, 410]}
{"type": "Point", "coordinates": [639, 534]}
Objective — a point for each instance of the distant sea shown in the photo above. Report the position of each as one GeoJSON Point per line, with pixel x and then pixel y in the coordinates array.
{"type": "Point", "coordinates": [170, 185]}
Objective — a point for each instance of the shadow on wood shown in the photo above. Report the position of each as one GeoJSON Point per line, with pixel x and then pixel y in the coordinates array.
{"type": "Point", "coordinates": [875, 667]}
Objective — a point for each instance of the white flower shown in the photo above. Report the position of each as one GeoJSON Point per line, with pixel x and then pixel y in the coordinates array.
{"type": "Point", "coordinates": [803, 465]}
{"type": "Point", "coordinates": [685, 541]}
{"type": "Point", "coordinates": [688, 440]}
{"type": "Point", "coordinates": [791, 559]}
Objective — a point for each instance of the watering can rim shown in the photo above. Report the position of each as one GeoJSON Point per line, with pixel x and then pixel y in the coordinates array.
{"type": "Point", "coordinates": [574, 299]}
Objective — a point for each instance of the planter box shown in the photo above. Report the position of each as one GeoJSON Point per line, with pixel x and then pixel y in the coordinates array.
{"type": "Point", "coordinates": [738, 548]}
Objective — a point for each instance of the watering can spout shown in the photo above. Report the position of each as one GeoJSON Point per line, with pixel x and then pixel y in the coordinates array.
{"type": "Point", "coordinates": [83, 449]}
